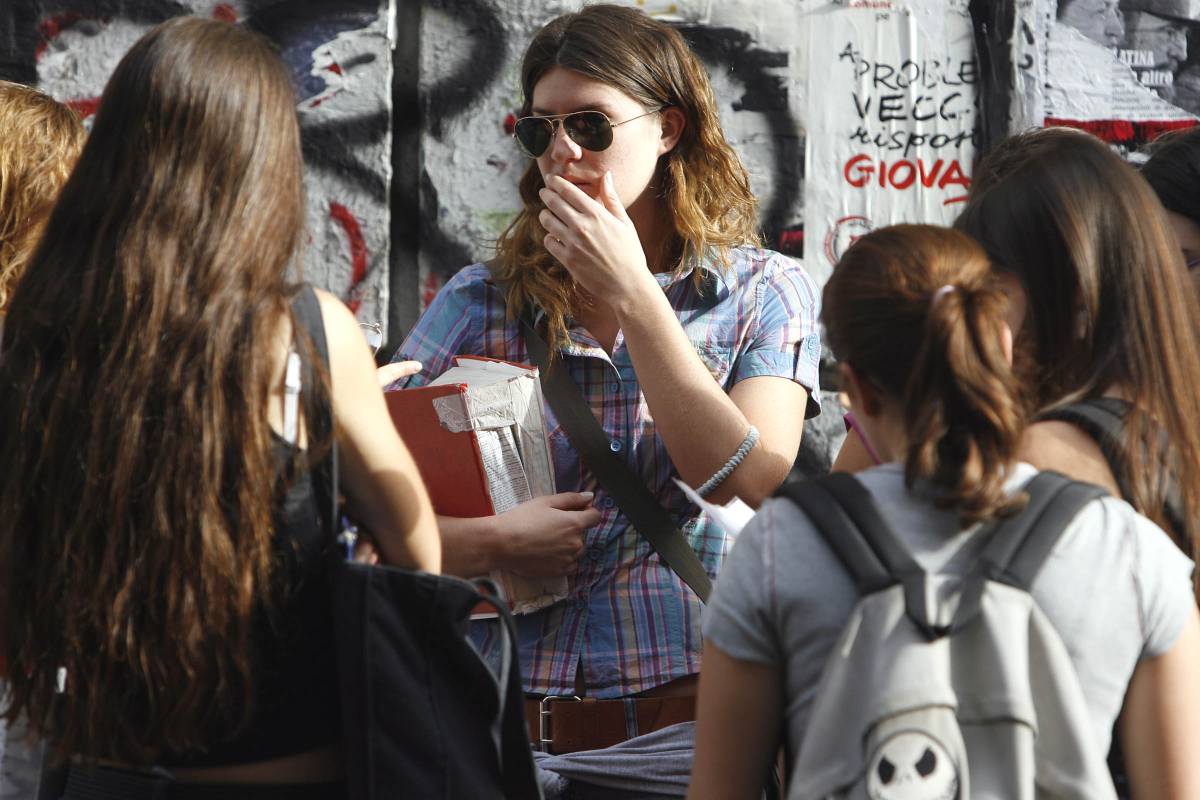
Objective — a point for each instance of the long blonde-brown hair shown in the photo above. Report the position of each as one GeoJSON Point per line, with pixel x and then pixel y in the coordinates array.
{"type": "Point", "coordinates": [136, 505]}
{"type": "Point", "coordinates": [913, 310]}
{"type": "Point", "coordinates": [41, 141]}
{"type": "Point", "coordinates": [703, 183]}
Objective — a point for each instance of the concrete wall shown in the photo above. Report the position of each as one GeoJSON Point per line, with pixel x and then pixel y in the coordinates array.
{"type": "Point", "coordinates": [340, 55]}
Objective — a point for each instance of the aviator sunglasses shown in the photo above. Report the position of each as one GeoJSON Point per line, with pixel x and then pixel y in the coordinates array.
{"type": "Point", "coordinates": [591, 130]}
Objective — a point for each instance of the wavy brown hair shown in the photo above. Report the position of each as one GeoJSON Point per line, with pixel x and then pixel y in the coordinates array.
{"type": "Point", "coordinates": [135, 513]}
{"type": "Point", "coordinates": [41, 141]}
{"type": "Point", "coordinates": [1109, 305]}
{"type": "Point", "coordinates": [937, 352]}
{"type": "Point", "coordinates": [703, 183]}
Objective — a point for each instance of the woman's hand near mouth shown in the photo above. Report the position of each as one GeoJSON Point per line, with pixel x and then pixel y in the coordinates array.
{"type": "Point", "coordinates": [595, 240]}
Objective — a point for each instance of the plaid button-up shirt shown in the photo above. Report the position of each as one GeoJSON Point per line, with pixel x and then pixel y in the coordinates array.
{"type": "Point", "coordinates": [630, 622]}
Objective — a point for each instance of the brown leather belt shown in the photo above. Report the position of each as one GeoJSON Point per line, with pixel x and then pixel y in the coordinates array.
{"type": "Point", "coordinates": [565, 724]}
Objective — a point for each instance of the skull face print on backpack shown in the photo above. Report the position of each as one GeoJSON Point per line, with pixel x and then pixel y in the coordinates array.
{"type": "Point", "coordinates": [940, 687]}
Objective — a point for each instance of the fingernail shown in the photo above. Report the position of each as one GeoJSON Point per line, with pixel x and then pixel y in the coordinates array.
{"type": "Point", "coordinates": [588, 495]}
{"type": "Point", "coordinates": [608, 178]}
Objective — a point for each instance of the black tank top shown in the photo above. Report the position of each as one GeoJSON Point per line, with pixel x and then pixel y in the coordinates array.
{"type": "Point", "coordinates": [296, 706]}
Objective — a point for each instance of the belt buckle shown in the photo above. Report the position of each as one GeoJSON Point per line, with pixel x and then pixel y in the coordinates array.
{"type": "Point", "coordinates": [544, 708]}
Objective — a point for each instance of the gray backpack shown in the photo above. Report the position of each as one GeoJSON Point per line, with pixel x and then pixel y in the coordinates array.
{"type": "Point", "coordinates": [943, 687]}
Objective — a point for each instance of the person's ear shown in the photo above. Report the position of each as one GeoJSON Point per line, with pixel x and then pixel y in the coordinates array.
{"type": "Point", "coordinates": [1006, 341]}
{"type": "Point", "coordinates": [673, 121]}
{"type": "Point", "coordinates": [864, 397]}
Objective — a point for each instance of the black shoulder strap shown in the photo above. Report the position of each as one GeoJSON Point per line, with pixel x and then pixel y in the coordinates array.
{"type": "Point", "coordinates": [649, 518]}
{"type": "Point", "coordinates": [1103, 419]}
{"type": "Point", "coordinates": [848, 520]}
{"type": "Point", "coordinates": [1019, 545]}
{"type": "Point", "coordinates": [318, 415]}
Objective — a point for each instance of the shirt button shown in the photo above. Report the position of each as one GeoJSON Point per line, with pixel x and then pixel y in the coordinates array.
{"type": "Point", "coordinates": [614, 387]}
{"type": "Point", "coordinates": [615, 445]}
{"type": "Point", "coordinates": [608, 502]}
{"type": "Point", "coordinates": [580, 603]}
{"type": "Point", "coordinates": [595, 552]}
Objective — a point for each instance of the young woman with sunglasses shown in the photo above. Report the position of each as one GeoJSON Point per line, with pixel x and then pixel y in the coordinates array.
{"type": "Point", "coordinates": [164, 539]}
{"type": "Point", "coordinates": [635, 251]}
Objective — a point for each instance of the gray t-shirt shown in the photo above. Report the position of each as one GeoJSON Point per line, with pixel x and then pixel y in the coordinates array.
{"type": "Point", "coordinates": [1115, 588]}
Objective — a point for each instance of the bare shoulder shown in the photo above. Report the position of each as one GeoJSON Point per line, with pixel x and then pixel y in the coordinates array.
{"type": "Point", "coordinates": [1063, 447]}
{"type": "Point", "coordinates": [340, 325]}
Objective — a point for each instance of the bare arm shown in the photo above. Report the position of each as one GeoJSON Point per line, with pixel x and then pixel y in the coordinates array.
{"type": "Point", "coordinates": [1161, 718]}
{"type": "Point", "coordinates": [378, 476]}
{"type": "Point", "coordinates": [684, 400]}
{"type": "Point", "coordinates": [541, 537]}
{"type": "Point", "coordinates": [738, 723]}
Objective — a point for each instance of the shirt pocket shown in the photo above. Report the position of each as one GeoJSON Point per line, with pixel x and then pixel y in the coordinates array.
{"type": "Point", "coordinates": [716, 360]}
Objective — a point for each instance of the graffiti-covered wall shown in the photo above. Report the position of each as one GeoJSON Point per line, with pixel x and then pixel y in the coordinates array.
{"type": "Point", "coordinates": [340, 54]}
{"type": "Point", "coordinates": [470, 92]}
{"type": "Point", "coordinates": [469, 59]}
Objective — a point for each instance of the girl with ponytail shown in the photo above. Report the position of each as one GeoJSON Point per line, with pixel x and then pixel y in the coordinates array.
{"type": "Point", "coordinates": [918, 325]}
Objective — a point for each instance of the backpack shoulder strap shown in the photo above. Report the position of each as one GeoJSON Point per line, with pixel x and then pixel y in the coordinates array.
{"type": "Point", "coordinates": [843, 535]}
{"type": "Point", "coordinates": [847, 518]}
{"type": "Point", "coordinates": [1019, 545]}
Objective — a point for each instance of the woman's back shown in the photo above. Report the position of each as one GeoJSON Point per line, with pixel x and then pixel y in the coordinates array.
{"type": "Point", "coordinates": [917, 323]}
{"type": "Point", "coordinates": [160, 548]}
{"type": "Point", "coordinates": [1115, 589]}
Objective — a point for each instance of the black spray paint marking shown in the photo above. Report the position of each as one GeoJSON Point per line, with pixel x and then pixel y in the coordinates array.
{"type": "Point", "coordinates": [993, 22]}
{"type": "Point", "coordinates": [765, 93]}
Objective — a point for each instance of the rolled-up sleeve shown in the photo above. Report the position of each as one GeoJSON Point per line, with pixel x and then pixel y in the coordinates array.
{"type": "Point", "coordinates": [784, 339]}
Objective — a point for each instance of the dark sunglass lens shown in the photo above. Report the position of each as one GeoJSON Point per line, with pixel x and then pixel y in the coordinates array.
{"type": "Point", "coordinates": [589, 129]}
{"type": "Point", "coordinates": [533, 134]}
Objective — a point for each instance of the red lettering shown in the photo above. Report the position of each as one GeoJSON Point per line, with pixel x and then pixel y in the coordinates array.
{"type": "Point", "coordinates": [927, 178]}
{"type": "Point", "coordinates": [954, 177]}
{"type": "Point", "coordinates": [861, 170]}
{"type": "Point", "coordinates": [907, 180]}
{"type": "Point", "coordinates": [862, 174]}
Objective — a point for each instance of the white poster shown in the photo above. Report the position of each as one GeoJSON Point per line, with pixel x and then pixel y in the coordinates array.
{"type": "Point", "coordinates": [891, 111]}
{"type": "Point", "coordinates": [1126, 71]}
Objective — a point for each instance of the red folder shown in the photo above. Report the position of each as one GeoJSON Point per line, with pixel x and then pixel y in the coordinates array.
{"type": "Point", "coordinates": [449, 463]}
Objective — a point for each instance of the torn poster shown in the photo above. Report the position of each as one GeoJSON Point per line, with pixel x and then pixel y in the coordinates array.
{"type": "Point", "coordinates": [891, 134]}
{"type": "Point", "coordinates": [1126, 71]}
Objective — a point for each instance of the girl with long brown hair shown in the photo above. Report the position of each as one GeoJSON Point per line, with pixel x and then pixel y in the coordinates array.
{"type": "Point", "coordinates": [1103, 312]}
{"type": "Point", "coordinates": [635, 251]}
{"type": "Point", "coordinates": [917, 323]}
{"type": "Point", "coordinates": [162, 542]}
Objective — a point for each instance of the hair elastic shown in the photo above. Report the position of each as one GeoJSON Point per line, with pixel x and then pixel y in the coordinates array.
{"type": "Point", "coordinates": [949, 287]}
{"type": "Point", "coordinates": [734, 460]}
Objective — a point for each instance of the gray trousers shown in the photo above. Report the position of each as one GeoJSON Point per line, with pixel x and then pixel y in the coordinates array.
{"type": "Point", "coordinates": [648, 767]}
